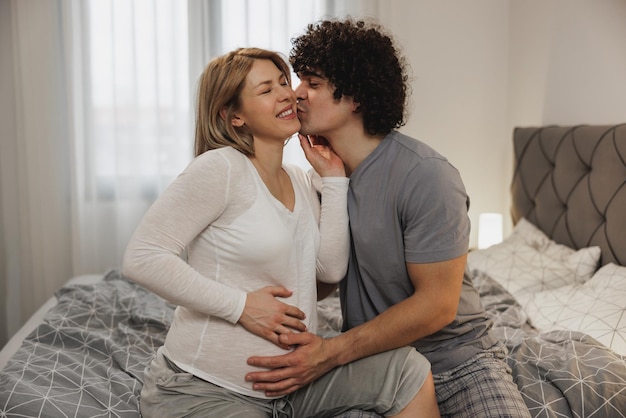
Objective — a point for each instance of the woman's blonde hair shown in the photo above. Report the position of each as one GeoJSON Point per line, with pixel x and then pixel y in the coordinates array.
{"type": "Point", "coordinates": [219, 93]}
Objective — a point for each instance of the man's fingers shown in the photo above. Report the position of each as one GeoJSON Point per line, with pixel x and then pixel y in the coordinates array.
{"type": "Point", "coordinates": [300, 338]}
{"type": "Point", "coordinates": [277, 363]}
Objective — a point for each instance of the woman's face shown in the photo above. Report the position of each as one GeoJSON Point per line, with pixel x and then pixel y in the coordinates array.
{"type": "Point", "coordinates": [268, 103]}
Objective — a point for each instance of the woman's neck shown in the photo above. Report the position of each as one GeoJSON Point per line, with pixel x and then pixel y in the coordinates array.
{"type": "Point", "coordinates": [268, 158]}
{"type": "Point", "coordinates": [268, 161]}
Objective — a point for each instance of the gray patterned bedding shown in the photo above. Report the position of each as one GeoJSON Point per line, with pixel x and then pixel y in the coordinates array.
{"type": "Point", "coordinates": [87, 358]}
{"type": "Point", "coordinates": [560, 373]}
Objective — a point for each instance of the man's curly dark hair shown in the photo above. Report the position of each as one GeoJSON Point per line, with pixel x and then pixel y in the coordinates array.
{"type": "Point", "coordinates": [362, 62]}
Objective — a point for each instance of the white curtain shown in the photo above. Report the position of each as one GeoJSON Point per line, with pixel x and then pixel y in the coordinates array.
{"type": "Point", "coordinates": [134, 131]}
{"type": "Point", "coordinates": [237, 23]}
{"type": "Point", "coordinates": [35, 157]}
{"type": "Point", "coordinates": [97, 117]}
{"type": "Point", "coordinates": [96, 109]}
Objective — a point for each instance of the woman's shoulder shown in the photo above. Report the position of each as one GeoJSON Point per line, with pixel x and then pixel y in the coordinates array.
{"type": "Point", "coordinates": [219, 159]}
{"type": "Point", "coordinates": [222, 169]}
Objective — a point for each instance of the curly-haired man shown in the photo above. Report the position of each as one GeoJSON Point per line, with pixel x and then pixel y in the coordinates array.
{"type": "Point", "coordinates": [409, 228]}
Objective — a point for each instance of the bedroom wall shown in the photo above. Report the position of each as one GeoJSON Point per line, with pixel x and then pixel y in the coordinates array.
{"type": "Point", "coordinates": [567, 63]}
{"type": "Point", "coordinates": [483, 67]}
{"type": "Point", "coordinates": [458, 51]}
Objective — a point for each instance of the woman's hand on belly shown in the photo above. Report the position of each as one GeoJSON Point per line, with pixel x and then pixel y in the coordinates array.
{"type": "Point", "coordinates": [267, 317]}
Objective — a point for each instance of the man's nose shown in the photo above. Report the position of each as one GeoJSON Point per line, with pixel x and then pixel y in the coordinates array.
{"type": "Point", "coordinates": [300, 92]}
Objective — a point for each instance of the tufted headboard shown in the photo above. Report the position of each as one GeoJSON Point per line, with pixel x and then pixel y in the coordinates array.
{"type": "Point", "coordinates": [571, 183]}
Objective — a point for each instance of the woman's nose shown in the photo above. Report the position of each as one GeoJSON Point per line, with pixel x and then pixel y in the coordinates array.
{"type": "Point", "coordinates": [289, 94]}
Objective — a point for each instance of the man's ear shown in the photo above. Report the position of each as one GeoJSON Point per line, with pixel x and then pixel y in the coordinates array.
{"type": "Point", "coordinates": [355, 106]}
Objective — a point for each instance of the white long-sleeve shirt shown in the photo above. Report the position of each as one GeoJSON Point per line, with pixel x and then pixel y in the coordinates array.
{"type": "Point", "coordinates": [239, 238]}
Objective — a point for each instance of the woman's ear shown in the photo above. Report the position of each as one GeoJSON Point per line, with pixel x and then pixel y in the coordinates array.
{"type": "Point", "coordinates": [235, 121]}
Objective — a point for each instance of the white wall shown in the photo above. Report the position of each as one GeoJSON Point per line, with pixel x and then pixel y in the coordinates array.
{"type": "Point", "coordinates": [482, 67]}
{"type": "Point", "coordinates": [459, 54]}
{"type": "Point", "coordinates": [567, 63]}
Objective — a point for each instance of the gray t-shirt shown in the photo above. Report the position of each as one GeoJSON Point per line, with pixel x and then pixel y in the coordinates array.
{"type": "Point", "coordinates": [407, 203]}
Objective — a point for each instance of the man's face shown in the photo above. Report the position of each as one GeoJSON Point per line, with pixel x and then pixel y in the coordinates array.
{"type": "Point", "coordinates": [319, 112]}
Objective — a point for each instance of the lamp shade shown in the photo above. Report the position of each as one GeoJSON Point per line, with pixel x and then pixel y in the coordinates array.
{"type": "Point", "coordinates": [489, 229]}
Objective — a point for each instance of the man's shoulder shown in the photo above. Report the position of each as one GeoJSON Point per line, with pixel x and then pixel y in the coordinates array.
{"type": "Point", "coordinates": [412, 149]}
{"type": "Point", "coordinates": [413, 145]}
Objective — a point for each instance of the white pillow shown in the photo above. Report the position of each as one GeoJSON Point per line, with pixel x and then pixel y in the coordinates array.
{"type": "Point", "coordinates": [528, 261]}
{"type": "Point", "coordinates": [597, 308]}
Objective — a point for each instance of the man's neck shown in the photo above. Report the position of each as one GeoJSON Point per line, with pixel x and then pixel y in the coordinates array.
{"type": "Point", "coordinates": [353, 149]}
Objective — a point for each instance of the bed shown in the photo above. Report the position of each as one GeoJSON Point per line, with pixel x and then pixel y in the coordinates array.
{"type": "Point", "coordinates": [555, 288]}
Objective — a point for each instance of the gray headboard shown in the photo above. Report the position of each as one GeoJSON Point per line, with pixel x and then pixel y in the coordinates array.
{"type": "Point", "coordinates": [571, 183]}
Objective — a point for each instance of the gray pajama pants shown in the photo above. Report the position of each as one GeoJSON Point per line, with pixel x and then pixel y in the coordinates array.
{"type": "Point", "coordinates": [384, 383]}
{"type": "Point", "coordinates": [480, 387]}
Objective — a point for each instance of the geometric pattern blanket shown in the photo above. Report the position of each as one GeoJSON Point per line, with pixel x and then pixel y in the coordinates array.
{"type": "Point", "coordinates": [560, 373]}
{"type": "Point", "coordinates": [87, 359]}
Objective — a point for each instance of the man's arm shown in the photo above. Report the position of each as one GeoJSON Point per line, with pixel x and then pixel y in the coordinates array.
{"type": "Point", "coordinates": [432, 306]}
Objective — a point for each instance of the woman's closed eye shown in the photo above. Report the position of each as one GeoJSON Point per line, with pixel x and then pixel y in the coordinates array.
{"type": "Point", "coordinates": [269, 90]}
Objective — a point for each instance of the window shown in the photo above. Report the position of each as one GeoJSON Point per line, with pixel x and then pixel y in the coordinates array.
{"type": "Point", "coordinates": [136, 91]}
{"type": "Point", "coordinates": [266, 24]}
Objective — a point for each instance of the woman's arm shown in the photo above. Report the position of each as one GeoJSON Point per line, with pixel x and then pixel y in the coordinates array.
{"type": "Point", "coordinates": [152, 258]}
{"type": "Point", "coordinates": [332, 260]}
{"type": "Point", "coordinates": [186, 208]}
